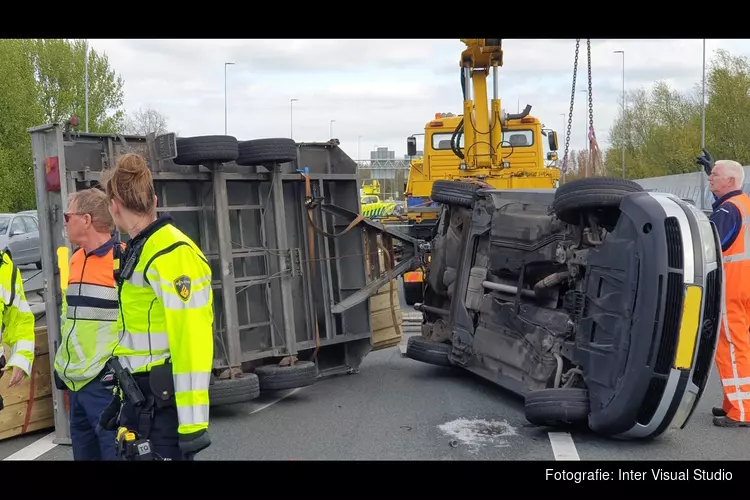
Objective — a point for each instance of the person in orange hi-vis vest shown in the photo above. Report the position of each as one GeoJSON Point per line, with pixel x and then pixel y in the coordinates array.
{"type": "Point", "coordinates": [731, 215]}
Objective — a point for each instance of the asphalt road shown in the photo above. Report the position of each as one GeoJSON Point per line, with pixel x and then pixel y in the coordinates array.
{"type": "Point", "coordinates": [399, 409]}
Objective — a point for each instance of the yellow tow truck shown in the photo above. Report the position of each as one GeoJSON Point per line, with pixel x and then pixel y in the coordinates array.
{"type": "Point", "coordinates": [491, 148]}
{"type": "Point", "coordinates": [372, 206]}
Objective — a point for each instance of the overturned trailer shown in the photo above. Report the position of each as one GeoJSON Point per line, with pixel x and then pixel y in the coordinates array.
{"type": "Point", "coordinates": [293, 262]}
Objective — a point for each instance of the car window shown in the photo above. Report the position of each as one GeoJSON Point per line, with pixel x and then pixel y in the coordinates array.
{"type": "Point", "coordinates": [17, 226]}
{"type": "Point", "coordinates": [4, 221]}
{"type": "Point", "coordinates": [30, 224]}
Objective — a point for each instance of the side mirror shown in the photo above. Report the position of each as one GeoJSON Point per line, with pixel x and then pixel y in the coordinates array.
{"type": "Point", "coordinates": [552, 156]}
{"type": "Point", "coordinates": [411, 146]}
{"type": "Point", "coordinates": [552, 138]}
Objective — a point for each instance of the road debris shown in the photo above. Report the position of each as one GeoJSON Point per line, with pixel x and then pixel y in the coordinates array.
{"type": "Point", "coordinates": [476, 433]}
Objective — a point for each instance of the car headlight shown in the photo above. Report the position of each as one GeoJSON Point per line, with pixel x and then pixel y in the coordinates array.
{"type": "Point", "coordinates": [707, 234]}
{"type": "Point", "coordinates": [707, 239]}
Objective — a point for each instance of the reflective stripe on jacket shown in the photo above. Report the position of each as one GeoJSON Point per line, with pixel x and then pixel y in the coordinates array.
{"type": "Point", "coordinates": [733, 346]}
{"type": "Point", "coordinates": [167, 312]}
{"type": "Point", "coordinates": [18, 320]}
{"type": "Point", "coordinates": [89, 317]}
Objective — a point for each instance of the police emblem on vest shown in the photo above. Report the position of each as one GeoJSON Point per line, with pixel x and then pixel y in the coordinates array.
{"type": "Point", "coordinates": [182, 285]}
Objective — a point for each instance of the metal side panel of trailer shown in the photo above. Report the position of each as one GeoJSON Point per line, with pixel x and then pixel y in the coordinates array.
{"type": "Point", "coordinates": [277, 291]}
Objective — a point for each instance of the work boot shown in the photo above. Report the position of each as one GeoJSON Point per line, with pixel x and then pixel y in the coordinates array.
{"type": "Point", "coordinates": [728, 422]}
{"type": "Point", "coordinates": [718, 411]}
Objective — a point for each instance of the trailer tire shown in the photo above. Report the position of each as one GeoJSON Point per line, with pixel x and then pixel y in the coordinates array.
{"type": "Point", "coordinates": [264, 151]}
{"type": "Point", "coordinates": [455, 192]}
{"type": "Point", "coordinates": [598, 194]}
{"type": "Point", "coordinates": [206, 148]}
{"type": "Point", "coordinates": [558, 407]}
{"type": "Point", "coordinates": [427, 351]}
{"type": "Point", "coordinates": [244, 387]}
{"type": "Point", "coordinates": [279, 378]}
{"type": "Point", "coordinates": [413, 293]}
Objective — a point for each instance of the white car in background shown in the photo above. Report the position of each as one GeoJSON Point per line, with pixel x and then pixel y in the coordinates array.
{"type": "Point", "coordinates": [20, 234]}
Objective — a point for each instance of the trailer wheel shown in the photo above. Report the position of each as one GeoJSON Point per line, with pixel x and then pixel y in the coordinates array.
{"type": "Point", "coordinates": [413, 293]}
{"type": "Point", "coordinates": [456, 192]}
{"type": "Point", "coordinates": [597, 194]}
{"type": "Point", "coordinates": [264, 151]}
{"type": "Point", "coordinates": [242, 388]}
{"type": "Point", "coordinates": [427, 351]}
{"type": "Point", "coordinates": [279, 378]}
{"type": "Point", "coordinates": [207, 148]}
{"type": "Point", "coordinates": [558, 407]}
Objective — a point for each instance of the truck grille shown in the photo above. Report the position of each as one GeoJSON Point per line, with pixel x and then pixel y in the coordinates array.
{"type": "Point", "coordinates": [674, 243]}
{"type": "Point", "coordinates": [671, 325]}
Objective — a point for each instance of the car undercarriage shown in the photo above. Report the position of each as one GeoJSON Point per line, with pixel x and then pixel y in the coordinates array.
{"type": "Point", "coordinates": [581, 299]}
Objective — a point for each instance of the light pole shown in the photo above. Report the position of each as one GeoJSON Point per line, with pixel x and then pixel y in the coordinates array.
{"type": "Point", "coordinates": [225, 95]}
{"type": "Point", "coordinates": [87, 85]}
{"type": "Point", "coordinates": [703, 126]}
{"type": "Point", "coordinates": [330, 128]}
{"type": "Point", "coordinates": [623, 109]}
{"type": "Point", "coordinates": [291, 117]}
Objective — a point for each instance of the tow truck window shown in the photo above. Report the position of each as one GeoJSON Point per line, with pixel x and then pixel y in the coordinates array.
{"type": "Point", "coordinates": [515, 138]}
{"type": "Point", "coordinates": [4, 221]}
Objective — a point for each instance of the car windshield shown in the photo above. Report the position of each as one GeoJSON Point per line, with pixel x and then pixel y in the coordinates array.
{"type": "Point", "coordinates": [4, 221]}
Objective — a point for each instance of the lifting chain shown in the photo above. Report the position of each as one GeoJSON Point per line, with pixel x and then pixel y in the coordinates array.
{"type": "Point", "coordinates": [572, 102]}
{"type": "Point", "coordinates": [590, 132]}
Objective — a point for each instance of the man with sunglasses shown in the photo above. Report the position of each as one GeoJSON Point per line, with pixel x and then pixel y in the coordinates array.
{"type": "Point", "coordinates": [89, 315]}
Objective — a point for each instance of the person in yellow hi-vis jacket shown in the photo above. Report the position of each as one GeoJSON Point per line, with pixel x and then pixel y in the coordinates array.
{"type": "Point", "coordinates": [165, 320]}
{"type": "Point", "coordinates": [18, 321]}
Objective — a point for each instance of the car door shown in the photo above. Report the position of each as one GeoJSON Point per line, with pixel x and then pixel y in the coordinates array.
{"type": "Point", "coordinates": [35, 247]}
{"type": "Point", "coordinates": [18, 241]}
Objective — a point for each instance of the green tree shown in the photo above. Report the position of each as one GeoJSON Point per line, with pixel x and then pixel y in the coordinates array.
{"type": "Point", "coordinates": [42, 81]}
{"type": "Point", "coordinates": [661, 129]}
{"type": "Point", "coordinates": [60, 66]}
{"type": "Point", "coordinates": [19, 109]}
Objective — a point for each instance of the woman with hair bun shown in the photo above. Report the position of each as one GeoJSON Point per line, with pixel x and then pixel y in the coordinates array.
{"type": "Point", "coordinates": [165, 322]}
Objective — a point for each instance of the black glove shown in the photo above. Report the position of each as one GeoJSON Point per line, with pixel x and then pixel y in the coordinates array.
{"type": "Point", "coordinates": [191, 444]}
{"type": "Point", "coordinates": [706, 161]}
{"type": "Point", "coordinates": [108, 418]}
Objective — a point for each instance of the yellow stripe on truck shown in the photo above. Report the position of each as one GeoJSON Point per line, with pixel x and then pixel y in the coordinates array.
{"type": "Point", "coordinates": [691, 310]}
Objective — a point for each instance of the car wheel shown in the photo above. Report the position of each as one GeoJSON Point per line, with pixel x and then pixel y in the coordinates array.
{"type": "Point", "coordinates": [558, 407]}
{"type": "Point", "coordinates": [600, 195]}
{"type": "Point", "coordinates": [265, 151]}
{"type": "Point", "coordinates": [243, 387]}
{"type": "Point", "coordinates": [279, 378]}
{"type": "Point", "coordinates": [456, 192]}
{"type": "Point", "coordinates": [426, 351]}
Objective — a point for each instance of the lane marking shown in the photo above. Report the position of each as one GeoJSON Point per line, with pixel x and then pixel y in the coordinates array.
{"type": "Point", "coordinates": [45, 444]}
{"type": "Point", "coordinates": [563, 446]}
{"type": "Point", "coordinates": [35, 449]}
{"type": "Point", "coordinates": [283, 396]}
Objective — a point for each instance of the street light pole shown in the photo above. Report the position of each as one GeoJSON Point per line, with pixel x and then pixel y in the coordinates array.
{"type": "Point", "coordinates": [225, 95]}
{"type": "Point", "coordinates": [87, 85]}
{"type": "Point", "coordinates": [623, 109]}
{"type": "Point", "coordinates": [703, 126]}
{"type": "Point", "coordinates": [291, 117]}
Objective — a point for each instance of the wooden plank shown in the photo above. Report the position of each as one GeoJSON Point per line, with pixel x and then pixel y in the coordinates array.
{"type": "Point", "coordinates": [28, 406]}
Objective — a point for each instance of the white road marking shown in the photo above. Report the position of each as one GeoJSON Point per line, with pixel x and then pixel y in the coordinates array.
{"type": "Point", "coordinates": [35, 449]}
{"type": "Point", "coordinates": [284, 394]}
{"type": "Point", "coordinates": [563, 446]}
{"type": "Point", "coordinates": [45, 444]}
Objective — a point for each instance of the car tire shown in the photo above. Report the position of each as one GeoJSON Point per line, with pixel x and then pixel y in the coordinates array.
{"type": "Point", "coordinates": [244, 387]}
{"type": "Point", "coordinates": [455, 192]}
{"type": "Point", "coordinates": [598, 194]}
{"type": "Point", "coordinates": [558, 407]}
{"type": "Point", "coordinates": [279, 378]}
{"type": "Point", "coordinates": [206, 149]}
{"type": "Point", "coordinates": [426, 351]}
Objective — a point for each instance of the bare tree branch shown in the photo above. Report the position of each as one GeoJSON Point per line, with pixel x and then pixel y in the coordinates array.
{"type": "Point", "coordinates": [144, 121]}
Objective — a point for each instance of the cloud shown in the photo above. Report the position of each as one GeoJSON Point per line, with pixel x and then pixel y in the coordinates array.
{"type": "Point", "coordinates": [378, 92]}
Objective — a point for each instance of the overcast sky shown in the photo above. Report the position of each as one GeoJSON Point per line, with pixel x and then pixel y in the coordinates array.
{"type": "Point", "coordinates": [383, 90]}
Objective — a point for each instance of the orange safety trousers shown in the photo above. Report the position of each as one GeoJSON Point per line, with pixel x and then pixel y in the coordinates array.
{"type": "Point", "coordinates": [733, 346]}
